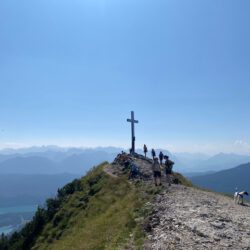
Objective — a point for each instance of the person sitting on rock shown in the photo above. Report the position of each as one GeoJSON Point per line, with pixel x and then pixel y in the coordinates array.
{"type": "Point", "coordinates": [153, 153]}
{"type": "Point", "coordinates": [134, 171]}
{"type": "Point", "coordinates": [145, 150]}
{"type": "Point", "coordinates": [161, 157]}
{"type": "Point", "coordinates": [168, 169]}
{"type": "Point", "coordinates": [156, 172]}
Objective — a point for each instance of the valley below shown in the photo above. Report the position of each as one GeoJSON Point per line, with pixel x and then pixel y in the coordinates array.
{"type": "Point", "coordinates": [13, 218]}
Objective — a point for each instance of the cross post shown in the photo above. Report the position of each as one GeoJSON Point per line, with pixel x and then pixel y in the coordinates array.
{"type": "Point", "coordinates": [133, 121]}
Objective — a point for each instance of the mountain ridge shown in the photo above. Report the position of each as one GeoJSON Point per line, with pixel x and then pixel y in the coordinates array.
{"type": "Point", "coordinates": [114, 213]}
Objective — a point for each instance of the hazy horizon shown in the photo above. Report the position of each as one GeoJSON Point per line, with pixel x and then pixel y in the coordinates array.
{"type": "Point", "coordinates": [68, 147]}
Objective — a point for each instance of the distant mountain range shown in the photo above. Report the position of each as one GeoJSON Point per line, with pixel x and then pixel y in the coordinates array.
{"type": "Point", "coordinates": [31, 175]}
{"type": "Point", "coordinates": [223, 161]}
{"type": "Point", "coordinates": [76, 161]}
{"type": "Point", "coordinates": [54, 160]}
{"type": "Point", "coordinates": [28, 165]}
{"type": "Point", "coordinates": [56, 149]}
{"type": "Point", "coordinates": [226, 180]}
{"type": "Point", "coordinates": [20, 189]}
{"type": "Point", "coordinates": [207, 164]}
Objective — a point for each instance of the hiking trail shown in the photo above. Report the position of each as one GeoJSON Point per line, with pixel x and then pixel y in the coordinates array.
{"type": "Point", "coordinates": [191, 218]}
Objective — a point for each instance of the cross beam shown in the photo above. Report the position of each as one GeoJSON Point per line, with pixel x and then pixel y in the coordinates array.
{"type": "Point", "coordinates": [133, 121]}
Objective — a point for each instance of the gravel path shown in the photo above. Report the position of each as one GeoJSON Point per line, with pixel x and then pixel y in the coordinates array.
{"type": "Point", "coordinates": [188, 218]}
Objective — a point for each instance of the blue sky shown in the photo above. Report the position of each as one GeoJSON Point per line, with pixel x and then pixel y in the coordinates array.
{"type": "Point", "coordinates": [71, 72]}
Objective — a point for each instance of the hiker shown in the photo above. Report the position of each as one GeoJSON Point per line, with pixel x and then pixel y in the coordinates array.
{"type": "Point", "coordinates": [161, 157]}
{"type": "Point", "coordinates": [156, 172]}
{"type": "Point", "coordinates": [134, 171]}
{"type": "Point", "coordinates": [153, 153]}
{"type": "Point", "coordinates": [145, 150]}
{"type": "Point", "coordinates": [168, 169]}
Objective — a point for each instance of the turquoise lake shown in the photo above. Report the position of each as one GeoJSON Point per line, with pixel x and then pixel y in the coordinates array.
{"type": "Point", "coordinates": [6, 230]}
{"type": "Point", "coordinates": [13, 210]}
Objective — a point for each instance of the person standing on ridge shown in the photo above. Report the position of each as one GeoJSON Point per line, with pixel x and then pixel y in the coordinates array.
{"type": "Point", "coordinates": [145, 150]}
{"type": "Point", "coordinates": [168, 169]}
{"type": "Point", "coordinates": [161, 157]}
{"type": "Point", "coordinates": [153, 153]}
{"type": "Point", "coordinates": [156, 172]}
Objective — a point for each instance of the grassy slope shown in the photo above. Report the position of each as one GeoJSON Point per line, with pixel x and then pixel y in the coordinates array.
{"type": "Point", "coordinates": [103, 216]}
{"type": "Point", "coordinates": [95, 212]}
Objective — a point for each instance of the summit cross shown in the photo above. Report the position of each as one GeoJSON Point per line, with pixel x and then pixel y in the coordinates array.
{"type": "Point", "coordinates": [133, 121]}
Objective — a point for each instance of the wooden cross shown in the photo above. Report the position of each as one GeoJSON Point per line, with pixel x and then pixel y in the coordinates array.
{"type": "Point", "coordinates": [133, 121]}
